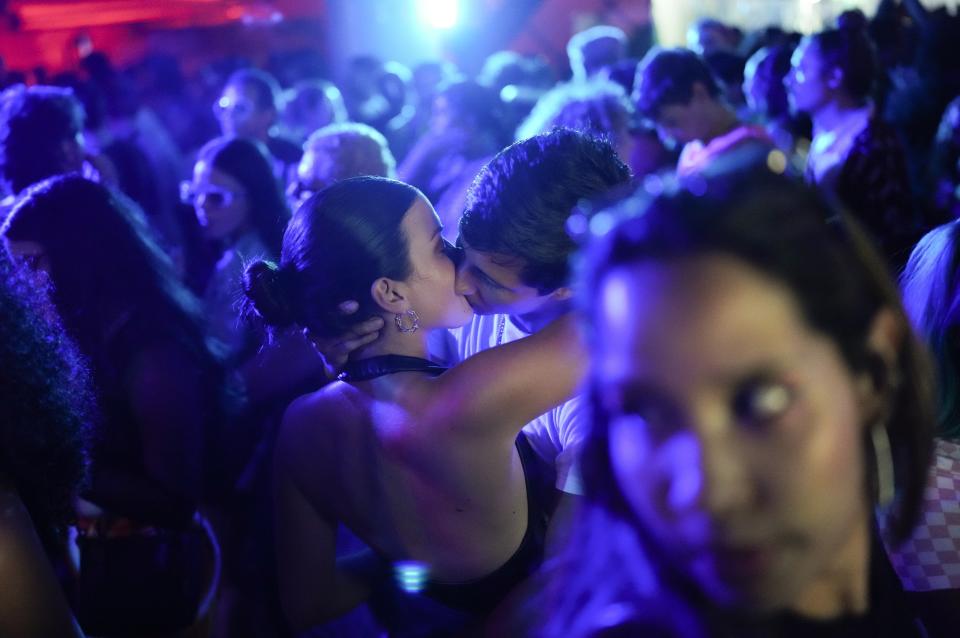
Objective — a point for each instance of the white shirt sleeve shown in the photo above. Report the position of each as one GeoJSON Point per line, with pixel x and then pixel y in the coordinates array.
{"type": "Point", "coordinates": [572, 423]}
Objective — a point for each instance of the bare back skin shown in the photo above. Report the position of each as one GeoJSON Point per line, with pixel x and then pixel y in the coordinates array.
{"type": "Point", "coordinates": [428, 496]}
{"type": "Point", "coordinates": [419, 468]}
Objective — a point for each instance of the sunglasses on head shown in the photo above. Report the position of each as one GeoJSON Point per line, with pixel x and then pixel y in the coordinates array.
{"type": "Point", "coordinates": [218, 197]}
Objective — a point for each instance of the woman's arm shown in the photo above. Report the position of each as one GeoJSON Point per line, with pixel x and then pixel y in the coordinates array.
{"type": "Point", "coordinates": [32, 604]}
{"type": "Point", "coordinates": [314, 588]}
{"type": "Point", "coordinates": [503, 388]}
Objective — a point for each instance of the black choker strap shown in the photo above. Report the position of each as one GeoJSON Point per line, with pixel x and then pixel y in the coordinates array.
{"type": "Point", "coordinates": [373, 367]}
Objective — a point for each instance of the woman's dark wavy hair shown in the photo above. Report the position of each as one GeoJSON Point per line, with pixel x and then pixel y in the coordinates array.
{"type": "Point", "coordinates": [248, 162]}
{"type": "Point", "coordinates": [103, 261]}
{"type": "Point", "coordinates": [338, 243]}
{"type": "Point", "coordinates": [774, 225]}
{"type": "Point", "coordinates": [34, 124]}
{"type": "Point", "coordinates": [931, 295]}
{"type": "Point", "coordinates": [47, 404]}
{"type": "Point", "coordinates": [852, 52]}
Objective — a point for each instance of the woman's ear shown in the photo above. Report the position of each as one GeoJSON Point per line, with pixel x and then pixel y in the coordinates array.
{"type": "Point", "coordinates": [881, 377]}
{"type": "Point", "coordinates": [562, 293]}
{"type": "Point", "coordinates": [389, 295]}
{"type": "Point", "coordinates": [887, 332]}
{"type": "Point", "coordinates": [835, 79]}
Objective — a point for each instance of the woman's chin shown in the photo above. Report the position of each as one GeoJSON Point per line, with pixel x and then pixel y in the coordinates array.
{"type": "Point", "coordinates": [462, 317]}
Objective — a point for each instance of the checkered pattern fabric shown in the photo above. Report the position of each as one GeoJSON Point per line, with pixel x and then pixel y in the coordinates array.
{"type": "Point", "coordinates": [930, 559]}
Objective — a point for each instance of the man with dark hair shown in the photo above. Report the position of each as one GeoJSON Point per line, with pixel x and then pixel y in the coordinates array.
{"type": "Point", "coordinates": [516, 258]}
{"type": "Point", "coordinates": [40, 135]}
{"type": "Point", "coordinates": [675, 90]}
{"type": "Point", "coordinates": [513, 230]}
{"type": "Point", "coordinates": [249, 107]}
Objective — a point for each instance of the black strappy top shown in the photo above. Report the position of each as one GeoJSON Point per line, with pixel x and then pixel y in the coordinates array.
{"type": "Point", "coordinates": [481, 595]}
{"type": "Point", "coordinates": [373, 367]}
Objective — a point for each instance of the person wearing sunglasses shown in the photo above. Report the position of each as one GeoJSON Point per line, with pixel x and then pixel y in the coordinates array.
{"type": "Point", "coordinates": [240, 207]}
{"type": "Point", "coordinates": [248, 107]}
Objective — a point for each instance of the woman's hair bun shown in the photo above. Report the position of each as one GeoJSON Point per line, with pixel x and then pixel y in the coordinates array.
{"type": "Point", "coordinates": [269, 293]}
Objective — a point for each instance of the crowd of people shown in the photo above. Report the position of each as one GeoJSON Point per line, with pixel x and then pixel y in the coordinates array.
{"type": "Point", "coordinates": [665, 348]}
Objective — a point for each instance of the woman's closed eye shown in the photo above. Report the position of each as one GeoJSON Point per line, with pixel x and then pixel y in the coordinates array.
{"type": "Point", "coordinates": [453, 252]}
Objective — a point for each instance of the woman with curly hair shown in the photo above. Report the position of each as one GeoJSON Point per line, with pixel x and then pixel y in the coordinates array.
{"type": "Point", "coordinates": [47, 410]}
{"type": "Point", "coordinates": [145, 551]}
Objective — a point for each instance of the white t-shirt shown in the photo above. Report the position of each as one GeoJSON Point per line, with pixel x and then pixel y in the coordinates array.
{"type": "Point", "coordinates": [557, 435]}
{"type": "Point", "coordinates": [830, 149]}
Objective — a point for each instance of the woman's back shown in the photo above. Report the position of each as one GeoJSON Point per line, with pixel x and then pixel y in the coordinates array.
{"type": "Point", "coordinates": [431, 494]}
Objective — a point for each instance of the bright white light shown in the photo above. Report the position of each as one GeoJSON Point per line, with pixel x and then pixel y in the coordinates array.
{"type": "Point", "coordinates": [439, 14]}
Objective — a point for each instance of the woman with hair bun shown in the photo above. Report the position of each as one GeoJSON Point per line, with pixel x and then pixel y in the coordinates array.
{"type": "Point", "coordinates": [422, 463]}
{"type": "Point", "coordinates": [854, 156]}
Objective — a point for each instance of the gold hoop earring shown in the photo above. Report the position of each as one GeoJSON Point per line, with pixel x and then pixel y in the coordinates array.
{"type": "Point", "coordinates": [414, 321]}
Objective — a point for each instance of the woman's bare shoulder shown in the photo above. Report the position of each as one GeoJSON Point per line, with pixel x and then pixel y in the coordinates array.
{"type": "Point", "coordinates": [332, 400]}
{"type": "Point", "coordinates": [313, 418]}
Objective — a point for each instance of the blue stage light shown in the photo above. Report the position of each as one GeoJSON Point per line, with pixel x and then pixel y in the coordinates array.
{"type": "Point", "coordinates": [439, 14]}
